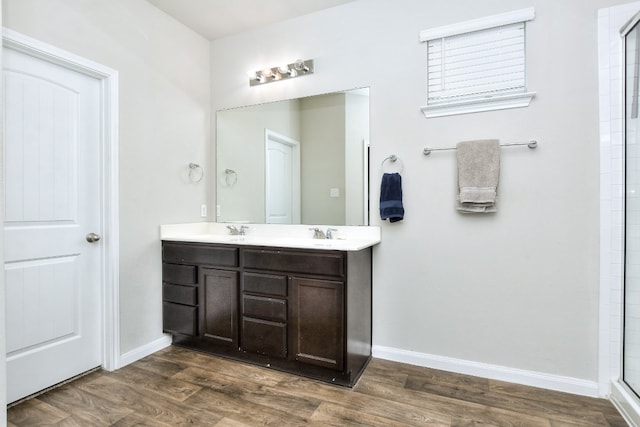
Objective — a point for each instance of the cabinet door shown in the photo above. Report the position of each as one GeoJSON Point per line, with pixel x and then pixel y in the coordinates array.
{"type": "Point", "coordinates": [317, 322]}
{"type": "Point", "coordinates": [219, 306]}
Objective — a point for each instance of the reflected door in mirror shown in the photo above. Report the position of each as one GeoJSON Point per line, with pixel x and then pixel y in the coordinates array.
{"type": "Point", "coordinates": [282, 192]}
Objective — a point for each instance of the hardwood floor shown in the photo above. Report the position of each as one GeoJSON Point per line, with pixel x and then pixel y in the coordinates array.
{"type": "Point", "coordinates": [176, 387]}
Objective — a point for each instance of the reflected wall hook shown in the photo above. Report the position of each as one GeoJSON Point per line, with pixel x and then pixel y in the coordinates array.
{"type": "Point", "coordinates": [196, 173]}
{"type": "Point", "coordinates": [231, 177]}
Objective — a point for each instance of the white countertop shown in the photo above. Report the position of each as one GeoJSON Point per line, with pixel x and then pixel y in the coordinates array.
{"type": "Point", "coordinates": [346, 238]}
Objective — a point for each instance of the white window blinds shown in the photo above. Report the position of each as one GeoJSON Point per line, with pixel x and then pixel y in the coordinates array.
{"type": "Point", "coordinates": [477, 65]}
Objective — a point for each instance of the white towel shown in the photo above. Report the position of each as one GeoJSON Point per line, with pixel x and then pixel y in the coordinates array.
{"type": "Point", "coordinates": [478, 174]}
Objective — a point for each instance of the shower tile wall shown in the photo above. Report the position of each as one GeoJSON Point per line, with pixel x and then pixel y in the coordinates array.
{"type": "Point", "coordinates": [610, 21]}
{"type": "Point", "coordinates": [631, 355]}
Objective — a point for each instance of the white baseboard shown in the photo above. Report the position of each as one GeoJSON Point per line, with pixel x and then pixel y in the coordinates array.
{"type": "Point", "coordinates": [625, 403]}
{"type": "Point", "coordinates": [485, 370]}
{"type": "Point", "coordinates": [144, 351]}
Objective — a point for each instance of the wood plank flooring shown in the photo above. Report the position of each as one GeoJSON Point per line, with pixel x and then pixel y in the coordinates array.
{"type": "Point", "coordinates": [178, 387]}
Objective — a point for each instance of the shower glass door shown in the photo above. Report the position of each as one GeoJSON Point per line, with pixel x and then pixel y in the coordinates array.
{"type": "Point", "coordinates": [631, 339]}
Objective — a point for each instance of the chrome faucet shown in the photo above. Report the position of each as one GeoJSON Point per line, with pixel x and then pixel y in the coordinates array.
{"type": "Point", "coordinates": [329, 232]}
{"type": "Point", "coordinates": [319, 234]}
{"type": "Point", "coordinates": [235, 231]}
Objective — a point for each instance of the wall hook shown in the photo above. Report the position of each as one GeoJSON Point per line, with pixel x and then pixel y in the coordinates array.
{"type": "Point", "coordinates": [196, 173]}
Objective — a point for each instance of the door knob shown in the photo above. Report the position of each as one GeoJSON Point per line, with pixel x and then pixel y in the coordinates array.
{"type": "Point", "coordinates": [92, 237]}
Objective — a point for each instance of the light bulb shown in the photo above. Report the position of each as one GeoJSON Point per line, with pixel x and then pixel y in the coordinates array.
{"type": "Point", "coordinates": [300, 66]}
{"type": "Point", "coordinates": [284, 69]}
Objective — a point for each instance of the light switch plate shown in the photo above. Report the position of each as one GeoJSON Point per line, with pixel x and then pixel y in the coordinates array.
{"type": "Point", "coordinates": [334, 192]}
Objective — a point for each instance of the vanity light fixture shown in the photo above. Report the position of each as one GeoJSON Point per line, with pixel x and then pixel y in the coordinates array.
{"type": "Point", "coordinates": [295, 69]}
{"type": "Point", "coordinates": [301, 66]}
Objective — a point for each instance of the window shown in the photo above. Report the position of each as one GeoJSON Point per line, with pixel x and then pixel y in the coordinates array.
{"type": "Point", "coordinates": [477, 65]}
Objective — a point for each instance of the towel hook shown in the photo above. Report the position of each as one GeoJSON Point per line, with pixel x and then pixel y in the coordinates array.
{"type": "Point", "coordinates": [231, 177]}
{"type": "Point", "coordinates": [393, 159]}
{"type": "Point", "coordinates": [193, 175]}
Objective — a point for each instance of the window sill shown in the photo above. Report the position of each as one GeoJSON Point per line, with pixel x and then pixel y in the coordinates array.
{"type": "Point", "coordinates": [478, 105]}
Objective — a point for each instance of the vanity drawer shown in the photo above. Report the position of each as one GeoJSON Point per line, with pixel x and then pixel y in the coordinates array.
{"type": "Point", "coordinates": [178, 318]}
{"type": "Point", "coordinates": [180, 294]}
{"type": "Point", "coordinates": [264, 337]}
{"type": "Point", "coordinates": [320, 263]}
{"type": "Point", "coordinates": [265, 284]}
{"type": "Point", "coordinates": [264, 308]}
{"type": "Point", "coordinates": [182, 274]}
{"type": "Point", "coordinates": [200, 254]}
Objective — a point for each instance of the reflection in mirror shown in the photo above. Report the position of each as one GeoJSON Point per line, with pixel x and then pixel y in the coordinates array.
{"type": "Point", "coordinates": [299, 161]}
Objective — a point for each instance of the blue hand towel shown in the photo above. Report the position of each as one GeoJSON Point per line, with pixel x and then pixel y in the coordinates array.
{"type": "Point", "coordinates": [391, 197]}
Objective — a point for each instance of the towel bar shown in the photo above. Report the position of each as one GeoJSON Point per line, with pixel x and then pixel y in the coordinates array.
{"type": "Point", "coordinates": [531, 144]}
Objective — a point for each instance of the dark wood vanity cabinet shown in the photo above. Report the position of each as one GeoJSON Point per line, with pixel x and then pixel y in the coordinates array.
{"type": "Point", "coordinates": [297, 310]}
{"type": "Point", "coordinates": [318, 334]}
{"type": "Point", "coordinates": [218, 291]}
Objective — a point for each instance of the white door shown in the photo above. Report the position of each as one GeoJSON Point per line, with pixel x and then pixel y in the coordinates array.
{"type": "Point", "coordinates": [52, 202]}
{"type": "Point", "coordinates": [282, 170]}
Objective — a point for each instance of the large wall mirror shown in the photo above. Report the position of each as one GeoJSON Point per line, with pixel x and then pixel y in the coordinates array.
{"type": "Point", "coordinates": [299, 161]}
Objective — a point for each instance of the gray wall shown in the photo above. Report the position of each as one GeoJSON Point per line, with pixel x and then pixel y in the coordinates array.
{"type": "Point", "coordinates": [322, 157]}
{"type": "Point", "coordinates": [516, 289]}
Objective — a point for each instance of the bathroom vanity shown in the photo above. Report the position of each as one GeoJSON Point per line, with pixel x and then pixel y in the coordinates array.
{"type": "Point", "coordinates": [299, 305]}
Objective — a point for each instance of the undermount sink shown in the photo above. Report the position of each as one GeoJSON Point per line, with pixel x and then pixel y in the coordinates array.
{"type": "Point", "coordinates": [221, 238]}
{"type": "Point", "coordinates": [210, 236]}
{"type": "Point", "coordinates": [271, 241]}
{"type": "Point", "coordinates": [348, 238]}
{"type": "Point", "coordinates": [311, 242]}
